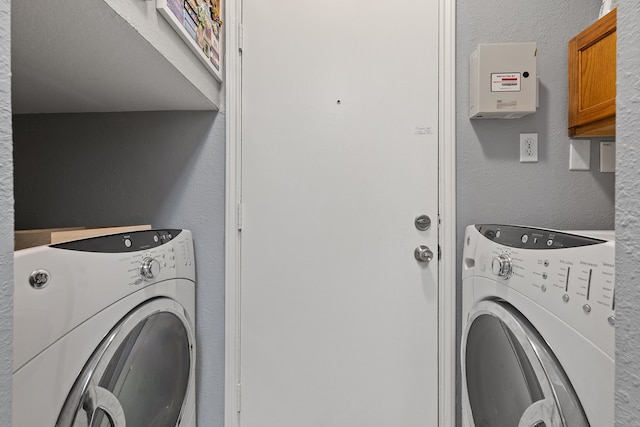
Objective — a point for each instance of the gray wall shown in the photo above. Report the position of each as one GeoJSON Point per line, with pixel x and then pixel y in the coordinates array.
{"type": "Point", "coordinates": [493, 186]}
{"type": "Point", "coordinates": [6, 216]}
{"type": "Point", "coordinates": [627, 217]}
{"type": "Point", "coordinates": [162, 168]}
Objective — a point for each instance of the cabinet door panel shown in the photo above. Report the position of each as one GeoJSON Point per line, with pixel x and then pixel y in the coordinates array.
{"type": "Point", "coordinates": [592, 79]}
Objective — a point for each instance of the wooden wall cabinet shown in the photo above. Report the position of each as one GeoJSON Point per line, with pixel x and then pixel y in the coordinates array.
{"type": "Point", "coordinates": [592, 80]}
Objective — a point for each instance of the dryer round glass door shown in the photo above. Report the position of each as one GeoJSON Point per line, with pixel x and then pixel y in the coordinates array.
{"type": "Point", "coordinates": [139, 375]}
{"type": "Point", "coordinates": [510, 375]}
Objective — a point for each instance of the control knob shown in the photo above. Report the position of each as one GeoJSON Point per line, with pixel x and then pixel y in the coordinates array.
{"type": "Point", "coordinates": [149, 268]}
{"type": "Point", "coordinates": [501, 266]}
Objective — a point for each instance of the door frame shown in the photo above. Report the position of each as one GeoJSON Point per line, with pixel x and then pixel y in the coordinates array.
{"type": "Point", "coordinates": [232, 106]}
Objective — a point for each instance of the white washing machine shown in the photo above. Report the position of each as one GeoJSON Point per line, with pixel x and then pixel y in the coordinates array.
{"type": "Point", "coordinates": [538, 322]}
{"type": "Point", "coordinates": [104, 332]}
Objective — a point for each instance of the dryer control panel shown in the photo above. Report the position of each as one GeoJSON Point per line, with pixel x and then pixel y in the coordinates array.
{"type": "Point", "coordinates": [570, 275]}
{"type": "Point", "coordinates": [122, 242]}
{"type": "Point", "coordinates": [83, 277]}
{"type": "Point", "coordinates": [146, 256]}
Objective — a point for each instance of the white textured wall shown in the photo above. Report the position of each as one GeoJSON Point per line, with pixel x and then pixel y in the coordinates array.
{"type": "Point", "coordinates": [628, 217]}
{"type": "Point", "coordinates": [163, 168]}
{"type": "Point", "coordinates": [493, 186]}
{"type": "Point", "coordinates": [6, 216]}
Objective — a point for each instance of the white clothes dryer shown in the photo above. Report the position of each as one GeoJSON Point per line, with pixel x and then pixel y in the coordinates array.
{"type": "Point", "coordinates": [104, 332]}
{"type": "Point", "coordinates": [538, 322]}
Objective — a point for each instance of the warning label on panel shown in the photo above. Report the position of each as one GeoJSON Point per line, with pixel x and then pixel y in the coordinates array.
{"type": "Point", "coordinates": [505, 82]}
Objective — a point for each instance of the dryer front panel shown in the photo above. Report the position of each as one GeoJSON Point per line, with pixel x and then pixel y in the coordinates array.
{"type": "Point", "coordinates": [140, 375]}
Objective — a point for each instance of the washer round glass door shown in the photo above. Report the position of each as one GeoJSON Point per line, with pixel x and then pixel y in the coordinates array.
{"type": "Point", "coordinates": [140, 373]}
{"type": "Point", "coordinates": [511, 376]}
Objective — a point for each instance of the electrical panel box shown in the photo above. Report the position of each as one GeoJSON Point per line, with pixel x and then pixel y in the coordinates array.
{"type": "Point", "coordinates": [503, 81]}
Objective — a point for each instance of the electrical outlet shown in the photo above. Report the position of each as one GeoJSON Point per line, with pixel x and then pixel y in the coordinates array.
{"type": "Point", "coordinates": [528, 147]}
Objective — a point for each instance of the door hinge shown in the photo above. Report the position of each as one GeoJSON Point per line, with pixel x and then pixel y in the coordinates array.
{"type": "Point", "coordinates": [239, 396]}
{"type": "Point", "coordinates": [239, 217]}
{"type": "Point", "coordinates": [240, 36]}
{"type": "Point", "coordinates": [439, 253]}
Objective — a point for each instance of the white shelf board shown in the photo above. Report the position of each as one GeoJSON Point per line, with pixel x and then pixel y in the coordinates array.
{"type": "Point", "coordinates": [101, 56]}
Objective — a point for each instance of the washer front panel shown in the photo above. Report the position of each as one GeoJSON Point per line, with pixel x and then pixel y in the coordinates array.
{"type": "Point", "coordinates": [552, 289]}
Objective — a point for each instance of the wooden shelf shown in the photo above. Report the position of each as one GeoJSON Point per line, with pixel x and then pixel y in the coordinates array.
{"type": "Point", "coordinates": [24, 239]}
{"type": "Point", "coordinates": [103, 55]}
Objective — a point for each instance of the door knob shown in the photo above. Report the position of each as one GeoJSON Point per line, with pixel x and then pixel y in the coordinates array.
{"type": "Point", "coordinates": [423, 254]}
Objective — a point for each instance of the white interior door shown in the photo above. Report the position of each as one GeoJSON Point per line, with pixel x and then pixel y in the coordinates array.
{"type": "Point", "coordinates": [339, 322]}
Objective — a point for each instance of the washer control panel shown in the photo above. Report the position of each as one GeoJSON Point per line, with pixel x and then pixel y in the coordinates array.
{"type": "Point", "coordinates": [572, 276]}
{"type": "Point", "coordinates": [515, 236]}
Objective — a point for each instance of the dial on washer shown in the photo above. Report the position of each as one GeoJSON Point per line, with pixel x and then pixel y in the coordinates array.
{"type": "Point", "coordinates": [501, 266]}
{"type": "Point", "coordinates": [149, 268]}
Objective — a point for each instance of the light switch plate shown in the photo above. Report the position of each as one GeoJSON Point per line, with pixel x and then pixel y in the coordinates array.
{"type": "Point", "coordinates": [580, 155]}
{"type": "Point", "coordinates": [607, 156]}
